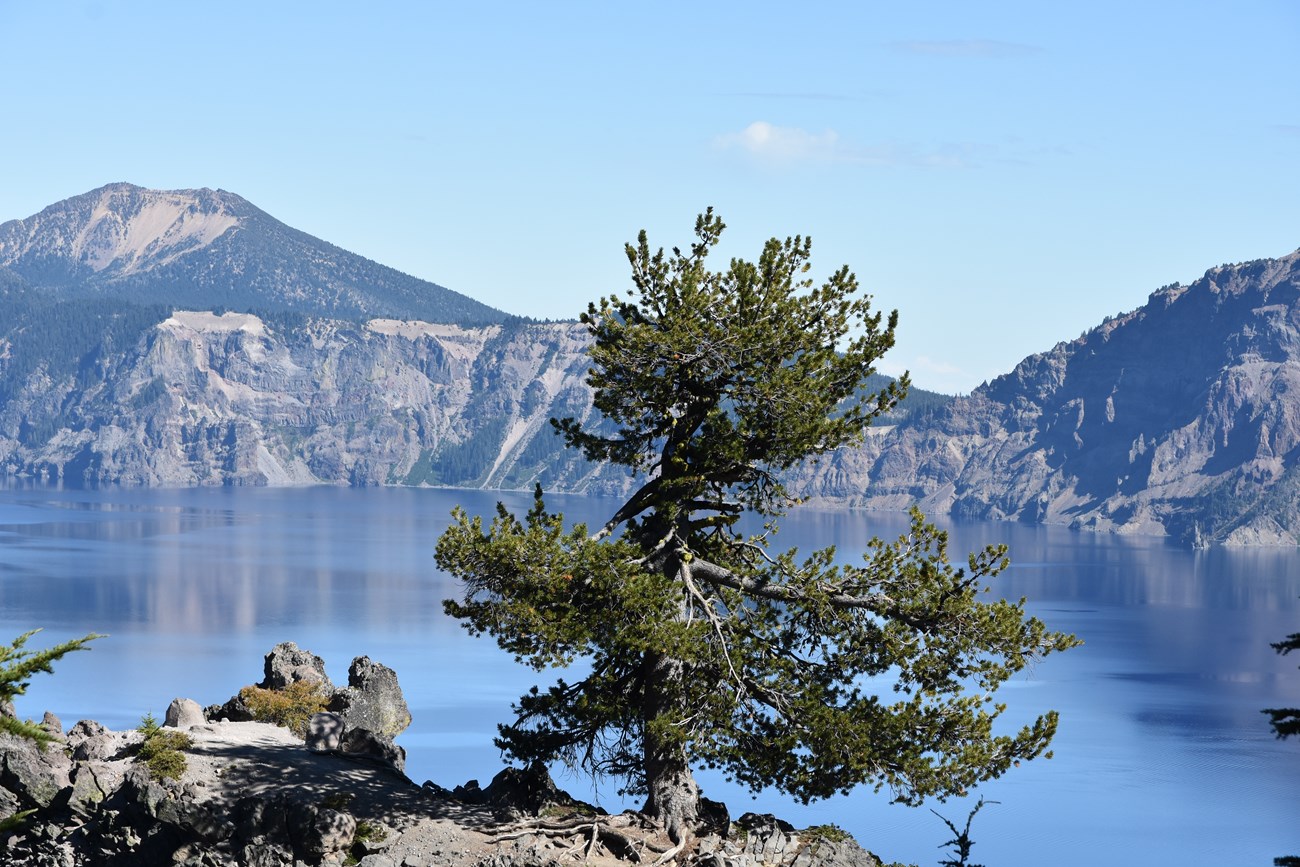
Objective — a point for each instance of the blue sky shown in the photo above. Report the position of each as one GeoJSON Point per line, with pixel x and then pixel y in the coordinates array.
{"type": "Point", "coordinates": [1005, 174]}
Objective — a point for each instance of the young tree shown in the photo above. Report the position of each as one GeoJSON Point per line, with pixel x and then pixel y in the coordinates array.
{"type": "Point", "coordinates": [705, 647]}
{"type": "Point", "coordinates": [17, 665]}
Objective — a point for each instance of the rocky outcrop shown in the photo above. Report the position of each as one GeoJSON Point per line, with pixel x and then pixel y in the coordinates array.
{"type": "Point", "coordinates": [287, 664]}
{"type": "Point", "coordinates": [372, 700]}
{"type": "Point", "coordinates": [254, 795]}
{"type": "Point", "coordinates": [363, 719]}
{"type": "Point", "coordinates": [1181, 418]}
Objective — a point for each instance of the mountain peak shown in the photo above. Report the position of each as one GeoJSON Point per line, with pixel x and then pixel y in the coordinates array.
{"type": "Point", "coordinates": [128, 228]}
{"type": "Point", "coordinates": [209, 248]}
{"type": "Point", "coordinates": [120, 229]}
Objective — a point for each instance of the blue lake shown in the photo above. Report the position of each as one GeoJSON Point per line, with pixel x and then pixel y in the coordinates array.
{"type": "Point", "coordinates": [1163, 756]}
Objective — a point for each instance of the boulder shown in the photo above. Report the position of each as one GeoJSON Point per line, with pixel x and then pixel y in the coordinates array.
{"type": "Point", "coordinates": [92, 742]}
{"type": "Point", "coordinates": [530, 790]}
{"type": "Point", "coordinates": [38, 776]}
{"type": "Point", "coordinates": [324, 732]}
{"type": "Point", "coordinates": [372, 699]}
{"type": "Point", "coordinates": [327, 832]}
{"type": "Point", "coordinates": [287, 664]}
{"type": "Point", "coordinates": [234, 710]}
{"type": "Point", "coordinates": [184, 713]}
{"type": "Point", "coordinates": [52, 725]}
{"type": "Point", "coordinates": [366, 744]}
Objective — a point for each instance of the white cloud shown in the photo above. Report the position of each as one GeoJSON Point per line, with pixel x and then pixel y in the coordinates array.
{"type": "Point", "coordinates": [782, 143]}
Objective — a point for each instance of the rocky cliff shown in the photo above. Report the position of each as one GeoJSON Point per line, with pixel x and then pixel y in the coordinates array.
{"type": "Point", "coordinates": [1180, 418]}
{"type": "Point", "coordinates": [234, 399]}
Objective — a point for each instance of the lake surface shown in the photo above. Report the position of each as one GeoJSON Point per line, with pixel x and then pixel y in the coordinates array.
{"type": "Point", "coordinates": [1163, 756]}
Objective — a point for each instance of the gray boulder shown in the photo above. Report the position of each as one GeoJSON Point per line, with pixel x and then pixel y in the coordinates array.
{"type": "Point", "coordinates": [372, 699]}
{"type": "Point", "coordinates": [234, 710]}
{"type": "Point", "coordinates": [91, 741]}
{"type": "Point", "coordinates": [36, 775]}
{"type": "Point", "coordinates": [366, 744]}
{"type": "Point", "coordinates": [324, 732]}
{"type": "Point", "coordinates": [184, 713]}
{"type": "Point", "coordinates": [287, 664]}
{"type": "Point", "coordinates": [328, 832]}
{"type": "Point", "coordinates": [52, 725]}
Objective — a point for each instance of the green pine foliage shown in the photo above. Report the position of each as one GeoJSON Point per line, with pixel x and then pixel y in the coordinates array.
{"type": "Point", "coordinates": [68, 338]}
{"type": "Point", "coordinates": [705, 646]}
{"type": "Point", "coordinates": [17, 665]}
{"type": "Point", "coordinates": [1285, 721]}
{"type": "Point", "coordinates": [161, 749]}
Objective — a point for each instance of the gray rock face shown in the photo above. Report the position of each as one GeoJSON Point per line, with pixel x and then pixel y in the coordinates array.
{"type": "Point", "coordinates": [52, 725]}
{"type": "Point", "coordinates": [1181, 418]}
{"type": "Point", "coordinates": [184, 713]}
{"type": "Point", "coordinates": [91, 741]}
{"type": "Point", "coordinates": [287, 664]}
{"type": "Point", "coordinates": [372, 699]}
{"type": "Point", "coordinates": [249, 797]}
{"type": "Point", "coordinates": [201, 399]}
{"type": "Point", "coordinates": [36, 775]}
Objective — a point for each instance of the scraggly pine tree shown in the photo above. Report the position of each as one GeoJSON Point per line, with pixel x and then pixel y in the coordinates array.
{"type": "Point", "coordinates": [705, 647]}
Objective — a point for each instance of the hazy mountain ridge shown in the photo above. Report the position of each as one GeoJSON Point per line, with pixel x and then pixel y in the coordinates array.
{"type": "Point", "coordinates": [201, 249]}
{"type": "Point", "coordinates": [1180, 418]}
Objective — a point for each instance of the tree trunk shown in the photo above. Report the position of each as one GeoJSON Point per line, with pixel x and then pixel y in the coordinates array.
{"type": "Point", "coordinates": [674, 798]}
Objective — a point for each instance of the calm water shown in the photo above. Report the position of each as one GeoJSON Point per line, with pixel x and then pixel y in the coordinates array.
{"type": "Point", "coordinates": [1162, 758]}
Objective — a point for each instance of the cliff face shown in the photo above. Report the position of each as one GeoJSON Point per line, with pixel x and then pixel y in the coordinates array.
{"type": "Point", "coordinates": [207, 399]}
{"type": "Point", "coordinates": [1180, 418]}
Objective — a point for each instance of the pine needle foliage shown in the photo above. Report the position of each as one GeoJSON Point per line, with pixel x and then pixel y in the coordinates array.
{"type": "Point", "coordinates": [18, 665]}
{"type": "Point", "coordinates": [1285, 721]}
{"type": "Point", "coordinates": [704, 645]}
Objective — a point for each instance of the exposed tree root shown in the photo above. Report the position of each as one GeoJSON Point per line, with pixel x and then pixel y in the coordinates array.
{"type": "Point", "coordinates": [590, 831]}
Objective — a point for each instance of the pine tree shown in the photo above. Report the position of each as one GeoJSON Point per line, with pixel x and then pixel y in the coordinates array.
{"type": "Point", "coordinates": [17, 665]}
{"type": "Point", "coordinates": [705, 646]}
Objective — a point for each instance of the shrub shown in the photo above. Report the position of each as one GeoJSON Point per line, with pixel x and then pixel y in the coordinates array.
{"type": "Point", "coordinates": [290, 707]}
{"type": "Point", "coordinates": [161, 749]}
{"type": "Point", "coordinates": [832, 833]}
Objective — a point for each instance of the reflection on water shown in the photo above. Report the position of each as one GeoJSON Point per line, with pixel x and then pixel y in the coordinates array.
{"type": "Point", "coordinates": [1162, 756]}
